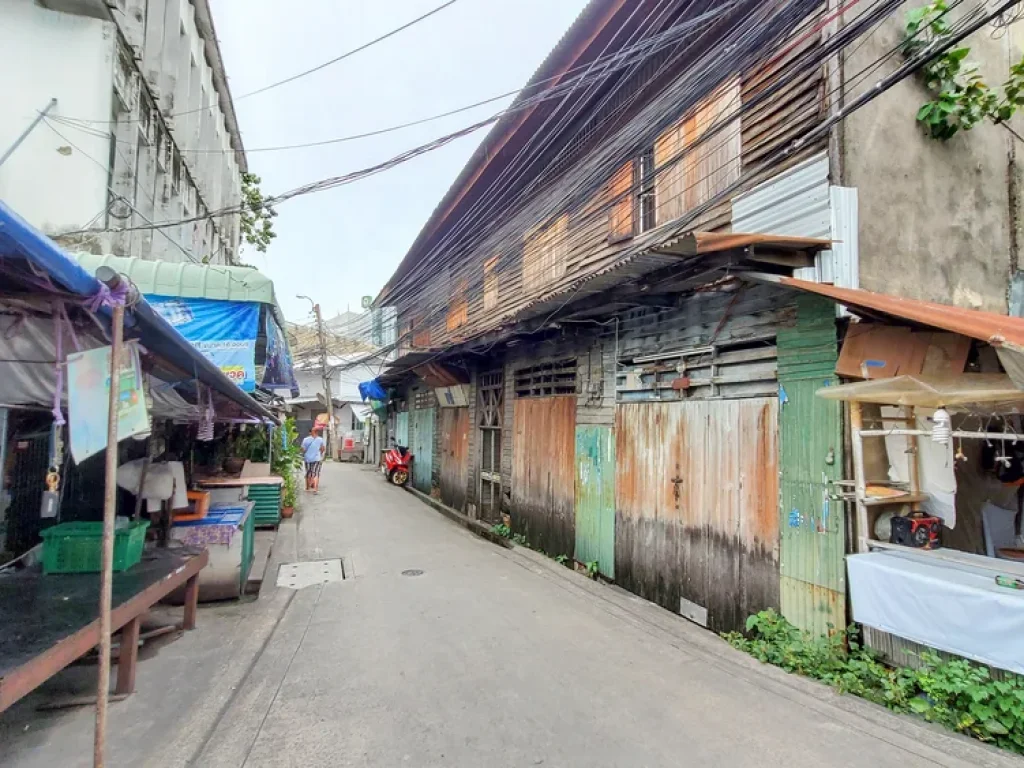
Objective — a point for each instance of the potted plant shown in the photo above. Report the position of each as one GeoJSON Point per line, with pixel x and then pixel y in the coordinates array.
{"type": "Point", "coordinates": [287, 460]}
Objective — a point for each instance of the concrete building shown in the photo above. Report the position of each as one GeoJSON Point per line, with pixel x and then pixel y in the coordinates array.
{"type": "Point", "coordinates": [139, 126]}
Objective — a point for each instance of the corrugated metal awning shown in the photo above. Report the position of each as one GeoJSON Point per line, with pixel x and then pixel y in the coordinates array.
{"type": "Point", "coordinates": [997, 330]}
{"type": "Point", "coordinates": [699, 243]}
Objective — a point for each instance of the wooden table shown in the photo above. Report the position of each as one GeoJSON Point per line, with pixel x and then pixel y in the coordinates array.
{"type": "Point", "coordinates": [50, 621]}
{"type": "Point", "coordinates": [238, 482]}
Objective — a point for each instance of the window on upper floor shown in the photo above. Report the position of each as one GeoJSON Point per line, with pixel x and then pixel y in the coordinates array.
{"type": "Point", "coordinates": [544, 254]}
{"type": "Point", "coordinates": [491, 284]}
{"type": "Point", "coordinates": [633, 195]}
{"type": "Point", "coordinates": [458, 307]}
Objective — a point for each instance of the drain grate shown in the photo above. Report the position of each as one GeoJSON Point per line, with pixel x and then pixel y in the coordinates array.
{"type": "Point", "coordinates": [412, 572]}
{"type": "Point", "coordinates": [310, 573]}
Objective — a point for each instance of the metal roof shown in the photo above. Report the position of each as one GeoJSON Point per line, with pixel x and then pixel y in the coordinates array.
{"type": "Point", "coordinates": [20, 241]}
{"type": "Point", "coordinates": [997, 330]}
{"type": "Point", "coordinates": [190, 281]}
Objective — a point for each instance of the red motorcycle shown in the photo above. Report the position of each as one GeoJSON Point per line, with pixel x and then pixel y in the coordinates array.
{"type": "Point", "coordinates": [396, 464]}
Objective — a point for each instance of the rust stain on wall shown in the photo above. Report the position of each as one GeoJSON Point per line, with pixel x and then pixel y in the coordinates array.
{"type": "Point", "coordinates": [544, 472]}
{"type": "Point", "coordinates": [697, 505]}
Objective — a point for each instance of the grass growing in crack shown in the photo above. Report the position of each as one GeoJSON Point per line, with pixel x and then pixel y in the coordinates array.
{"type": "Point", "coordinates": [956, 693]}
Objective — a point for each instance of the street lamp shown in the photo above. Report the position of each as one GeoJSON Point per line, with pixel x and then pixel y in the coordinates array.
{"type": "Point", "coordinates": [325, 377]}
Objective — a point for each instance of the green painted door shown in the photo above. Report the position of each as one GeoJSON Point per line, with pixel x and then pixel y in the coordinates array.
{"type": "Point", "coordinates": [402, 429]}
{"type": "Point", "coordinates": [595, 498]}
{"type": "Point", "coordinates": [422, 449]}
{"type": "Point", "coordinates": [812, 523]}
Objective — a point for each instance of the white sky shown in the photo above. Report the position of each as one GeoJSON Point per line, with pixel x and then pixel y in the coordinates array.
{"type": "Point", "coordinates": [340, 245]}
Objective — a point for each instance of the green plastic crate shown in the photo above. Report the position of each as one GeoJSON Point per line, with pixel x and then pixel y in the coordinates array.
{"type": "Point", "coordinates": [268, 504]}
{"type": "Point", "coordinates": [78, 547]}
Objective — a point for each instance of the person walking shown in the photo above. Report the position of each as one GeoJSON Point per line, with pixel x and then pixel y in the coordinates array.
{"type": "Point", "coordinates": [313, 449]}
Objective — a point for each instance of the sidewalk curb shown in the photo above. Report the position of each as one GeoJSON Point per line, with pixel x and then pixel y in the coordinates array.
{"type": "Point", "coordinates": [474, 526]}
{"type": "Point", "coordinates": [928, 740]}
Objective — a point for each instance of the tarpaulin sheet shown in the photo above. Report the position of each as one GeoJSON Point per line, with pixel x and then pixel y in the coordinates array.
{"type": "Point", "coordinates": [224, 331]}
{"type": "Point", "coordinates": [279, 373]}
{"type": "Point", "coordinates": [952, 606]}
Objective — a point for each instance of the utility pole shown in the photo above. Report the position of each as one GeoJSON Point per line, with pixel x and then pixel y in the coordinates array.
{"type": "Point", "coordinates": [324, 373]}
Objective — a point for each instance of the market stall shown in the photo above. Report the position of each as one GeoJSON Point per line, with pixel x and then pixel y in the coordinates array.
{"type": "Point", "coordinates": [905, 577]}
{"type": "Point", "coordinates": [101, 404]}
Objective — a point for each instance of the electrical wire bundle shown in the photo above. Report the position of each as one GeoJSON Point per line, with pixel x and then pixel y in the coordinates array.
{"type": "Point", "coordinates": [415, 285]}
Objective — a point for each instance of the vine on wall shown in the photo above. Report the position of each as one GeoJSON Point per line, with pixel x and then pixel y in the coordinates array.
{"type": "Point", "coordinates": [962, 98]}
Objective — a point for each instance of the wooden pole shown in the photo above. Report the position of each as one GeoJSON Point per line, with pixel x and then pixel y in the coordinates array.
{"type": "Point", "coordinates": [860, 485]}
{"type": "Point", "coordinates": [109, 511]}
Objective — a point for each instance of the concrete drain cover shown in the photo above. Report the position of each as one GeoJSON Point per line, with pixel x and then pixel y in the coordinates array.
{"type": "Point", "coordinates": [308, 574]}
{"type": "Point", "coordinates": [412, 572]}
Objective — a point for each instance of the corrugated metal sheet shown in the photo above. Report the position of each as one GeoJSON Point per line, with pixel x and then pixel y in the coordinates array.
{"type": "Point", "coordinates": [543, 472]}
{"type": "Point", "coordinates": [812, 524]}
{"type": "Point", "coordinates": [796, 203]}
{"type": "Point", "coordinates": [402, 428]}
{"type": "Point", "coordinates": [595, 498]}
{"type": "Point", "coordinates": [696, 496]}
{"type": "Point", "coordinates": [199, 281]}
{"type": "Point", "coordinates": [422, 448]}
{"type": "Point", "coordinates": [454, 456]}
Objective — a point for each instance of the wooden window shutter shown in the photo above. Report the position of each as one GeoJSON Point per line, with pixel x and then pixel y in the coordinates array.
{"type": "Point", "coordinates": [620, 219]}
{"type": "Point", "coordinates": [490, 284]}
{"type": "Point", "coordinates": [458, 307]}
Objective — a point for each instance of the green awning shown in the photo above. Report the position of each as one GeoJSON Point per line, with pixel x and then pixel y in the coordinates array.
{"type": "Point", "coordinates": [188, 280]}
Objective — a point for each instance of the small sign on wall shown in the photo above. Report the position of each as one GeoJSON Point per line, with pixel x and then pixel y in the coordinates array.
{"type": "Point", "coordinates": [453, 397]}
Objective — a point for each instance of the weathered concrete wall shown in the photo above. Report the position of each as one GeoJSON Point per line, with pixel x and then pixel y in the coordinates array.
{"type": "Point", "coordinates": [935, 218]}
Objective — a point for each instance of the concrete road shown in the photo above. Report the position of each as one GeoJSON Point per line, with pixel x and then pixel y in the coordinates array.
{"type": "Point", "coordinates": [494, 657]}
{"type": "Point", "coordinates": [489, 658]}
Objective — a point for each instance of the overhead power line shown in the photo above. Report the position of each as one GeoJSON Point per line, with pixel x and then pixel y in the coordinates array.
{"type": "Point", "coordinates": [567, 81]}
{"type": "Point", "coordinates": [304, 73]}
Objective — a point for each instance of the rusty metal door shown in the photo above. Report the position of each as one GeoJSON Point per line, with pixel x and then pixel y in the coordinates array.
{"type": "Point", "coordinates": [595, 498]}
{"type": "Point", "coordinates": [543, 472]}
{"type": "Point", "coordinates": [697, 500]}
{"type": "Point", "coordinates": [454, 456]}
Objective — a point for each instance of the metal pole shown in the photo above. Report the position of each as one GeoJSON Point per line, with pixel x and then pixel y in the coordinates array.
{"type": "Point", "coordinates": [112, 280]}
{"type": "Point", "coordinates": [327, 380]}
{"type": "Point", "coordinates": [31, 127]}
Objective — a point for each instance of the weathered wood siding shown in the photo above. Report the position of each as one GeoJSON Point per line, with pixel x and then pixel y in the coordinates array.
{"type": "Point", "coordinates": [543, 472]}
{"type": "Point", "coordinates": [454, 456]}
{"type": "Point", "coordinates": [697, 492]}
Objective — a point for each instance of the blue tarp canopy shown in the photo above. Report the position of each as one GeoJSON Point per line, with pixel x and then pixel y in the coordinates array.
{"type": "Point", "coordinates": [372, 390]}
{"type": "Point", "coordinates": [20, 241]}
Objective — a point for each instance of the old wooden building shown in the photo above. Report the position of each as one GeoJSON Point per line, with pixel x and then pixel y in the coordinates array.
{"type": "Point", "coordinates": [589, 341]}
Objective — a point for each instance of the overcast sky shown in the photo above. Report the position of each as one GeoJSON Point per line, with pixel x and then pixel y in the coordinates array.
{"type": "Point", "coordinates": [340, 245]}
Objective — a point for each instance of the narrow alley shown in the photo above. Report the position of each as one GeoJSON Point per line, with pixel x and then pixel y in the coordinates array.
{"type": "Point", "coordinates": [488, 657]}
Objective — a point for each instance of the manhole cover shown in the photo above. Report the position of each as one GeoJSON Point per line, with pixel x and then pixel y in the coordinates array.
{"type": "Point", "coordinates": [412, 572]}
{"type": "Point", "coordinates": [310, 573]}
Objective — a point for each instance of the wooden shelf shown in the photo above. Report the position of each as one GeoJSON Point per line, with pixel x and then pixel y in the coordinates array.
{"type": "Point", "coordinates": [885, 501]}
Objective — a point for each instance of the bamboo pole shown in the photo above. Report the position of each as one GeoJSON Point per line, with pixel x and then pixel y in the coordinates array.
{"type": "Point", "coordinates": [109, 509]}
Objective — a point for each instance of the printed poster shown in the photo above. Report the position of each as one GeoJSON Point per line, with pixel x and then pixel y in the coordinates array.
{"type": "Point", "coordinates": [224, 331]}
{"type": "Point", "coordinates": [89, 399]}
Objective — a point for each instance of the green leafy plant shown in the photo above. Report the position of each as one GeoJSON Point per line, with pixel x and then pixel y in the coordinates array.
{"type": "Point", "coordinates": [520, 539]}
{"type": "Point", "coordinates": [251, 443]}
{"type": "Point", "coordinates": [256, 226]}
{"type": "Point", "coordinates": [592, 569]}
{"type": "Point", "coordinates": [562, 559]}
{"type": "Point", "coordinates": [956, 693]}
{"type": "Point", "coordinates": [287, 460]}
{"type": "Point", "coordinates": [502, 530]}
{"type": "Point", "coordinates": [962, 98]}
